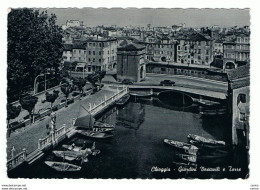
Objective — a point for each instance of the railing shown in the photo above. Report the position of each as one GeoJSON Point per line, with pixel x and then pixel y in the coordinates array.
{"type": "Point", "coordinates": [18, 159]}
{"type": "Point", "coordinates": [107, 101]}
{"type": "Point", "coordinates": [52, 138]}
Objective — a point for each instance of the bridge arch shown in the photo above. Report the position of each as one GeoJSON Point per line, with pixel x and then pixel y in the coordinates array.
{"type": "Point", "coordinates": [230, 65]}
{"type": "Point", "coordinates": [175, 98]}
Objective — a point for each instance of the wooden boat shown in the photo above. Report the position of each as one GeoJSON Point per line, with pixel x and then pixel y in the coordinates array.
{"type": "Point", "coordinates": [103, 130]}
{"type": "Point", "coordinates": [141, 94]}
{"type": "Point", "coordinates": [71, 155]}
{"type": "Point", "coordinates": [208, 103]}
{"type": "Point", "coordinates": [204, 140]}
{"type": "Point", "coordinates": [213, 112]}
{"type": "Point", "coordinates": [205, 146]}
{"type": "Point", "coordinates": [63, 166]}
{"type": "Point", "coordinates": [72, 147]}
{"type": "Point", "coordinates": [95, 135]}
{"type": "Point", "coordinates": [98, 124]}
{"type": "Point", "coordinates": [187, 148]}
{"type": "Point", "coordinates": [122, 101]}
{"type": "Point", "coordinates": [187, 164]}
{"type": "Point", "coordinates": [187, 157]}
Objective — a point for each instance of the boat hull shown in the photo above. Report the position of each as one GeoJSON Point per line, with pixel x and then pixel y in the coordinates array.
{"type": "Point", "coordinates": [63, 166]}
{"type": "Point", "coordinates": [185, 147]}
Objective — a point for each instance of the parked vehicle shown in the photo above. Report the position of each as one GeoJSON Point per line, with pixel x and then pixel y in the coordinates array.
{"type": "Point", "coordinates": [167, 83]}
{"type": "Point", "coordinates": [127, 82]}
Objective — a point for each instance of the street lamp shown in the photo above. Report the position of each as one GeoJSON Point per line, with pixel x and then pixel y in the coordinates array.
{"type": "Point", "coordinates": [40, 75]}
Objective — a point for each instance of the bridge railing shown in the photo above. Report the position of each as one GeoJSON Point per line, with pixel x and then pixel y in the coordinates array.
{"type": "Point", "coordinates": [106, 101]}
{"type": "Point", "coordinates": [17, 160]}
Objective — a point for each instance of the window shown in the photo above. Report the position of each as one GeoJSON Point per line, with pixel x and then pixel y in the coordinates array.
{"type": "Point", "coordinates": [89, 60]}
{"type": "Point", "coordinates": [94, 52]}
{"type": "Point", "coordinates": [241, 98]}
{"type": "Point", "coordinates": [242, 117]}
{"type": "Point", "coordinates": [89, 52]}
{"type": "Point", "coordinates": [99, 60]}
{"type": "Point", "coordinates": [99, 53]}
{"type": "Point", "coordinates": [94, 60]}
{"type": "Point", "coordinates": [108, 52]}
{"type": "Point", "coordinates": [179, 48]}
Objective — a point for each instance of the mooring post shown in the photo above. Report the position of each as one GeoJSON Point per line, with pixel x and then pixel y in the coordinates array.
{"type": "Point", "coordinates": [12, 154]}
{"type": "Point", "coordinates": [24, 154]}
{"type": "Point", "coordinates": [39, 144]}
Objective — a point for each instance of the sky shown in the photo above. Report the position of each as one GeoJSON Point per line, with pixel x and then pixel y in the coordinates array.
{"type": "Point", "coordinates": [156, 17]}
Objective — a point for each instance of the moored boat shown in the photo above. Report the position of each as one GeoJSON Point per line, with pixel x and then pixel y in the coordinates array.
{"type": "Point", "coordinates": [206, 146]}
{"type": "Point", "coordinates": [72, 147]}
{"type": "Point", "coordinates": [187, 157]}
{"type": "Point", "coordinates": [122, 101]}
{"type": "Point", "coordinates": [95, 135]}
{"type": "Point", "coordinates": [185, 164]}
{"type": "Point", "coordinates": [187, 148]}
{"type": "Point", "coordinates": [208, 103]}
{"type": "Point", "coordinates": [71, 155]}
{"type": "Point", "coordinates": [204, 140]}
{"type": "Point", "coordinates": [98, 124]}
{"type": "Point", "coordinates": [63, 166]}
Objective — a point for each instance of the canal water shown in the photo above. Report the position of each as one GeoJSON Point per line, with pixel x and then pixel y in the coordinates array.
{"type": "Point", "coordinates": [137, 149]}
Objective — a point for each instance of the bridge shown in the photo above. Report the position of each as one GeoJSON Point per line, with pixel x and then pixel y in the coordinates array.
{"type": "Point", "coordinates": [201, 91]}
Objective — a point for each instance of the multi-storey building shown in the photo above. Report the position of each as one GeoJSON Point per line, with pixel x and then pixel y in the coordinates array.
{"type": "Point", "coordinates": [236, 52]}
{"type": "Point", "coordinates": [98, 53]}
{"type": "Point", "coordinates": [159, 49]}
{"type": "Point", "coordinates": [195, 49]}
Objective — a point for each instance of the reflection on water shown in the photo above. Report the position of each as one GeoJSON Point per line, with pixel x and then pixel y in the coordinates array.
{"type": "Point", "coordinates": [137, 153]}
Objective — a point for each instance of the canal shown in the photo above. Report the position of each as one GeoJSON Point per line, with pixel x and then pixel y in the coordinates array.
{"type": "Point", "coordinates": [137, 149]}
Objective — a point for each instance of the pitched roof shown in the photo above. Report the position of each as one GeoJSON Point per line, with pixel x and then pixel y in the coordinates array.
{"type": "Point", "coordinates": [239, 72]}
{"type": "Point", "coordinates": [131, 47]}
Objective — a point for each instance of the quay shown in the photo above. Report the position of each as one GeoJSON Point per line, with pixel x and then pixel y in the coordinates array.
{"type": "Point", "coordinates": [57, 136]}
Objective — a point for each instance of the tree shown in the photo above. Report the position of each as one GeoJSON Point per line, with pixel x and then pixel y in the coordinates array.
{"type": "Point", "coordinates": [12, 112]}
{"type": "Point", "coordinates": [52, 97]}
{"type": "Point", "coordinates": [66, 89]}
{"type": "Point", "coordinates": [28, 103]}
{"type": "Point", "coordinates": [80, 83]}
{"type": "Point", "coordinates": [34, 45]}
{"type": "Point", "coordinates": [93, 78]}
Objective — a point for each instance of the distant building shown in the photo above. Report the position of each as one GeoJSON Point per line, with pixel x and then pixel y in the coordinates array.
{"type": "Point", "coordinates": [238, 96]}
{"type": "Point", "coordinates": [195, 49]}
{"type": "Point", "coordinates": [73, 23]}
{"type": "Point", "coordinates": [236, 52]}
{"type": "Point", "coordinates": [131, 62]}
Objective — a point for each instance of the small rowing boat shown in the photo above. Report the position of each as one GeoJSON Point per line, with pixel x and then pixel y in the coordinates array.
{"type": "Point", "coordinates": [187, 157]}
{"type": "Point", "coordinates": [98, 124]}
{"type": "Point", "coordinates": [204, 140]}
{"type": "Point", "coordinates": [71, 155]}
{"type": "Point", "coordinates": [95, 135]}
{"type": "Point", "coordinates": [122, 101]}
{"type": "Point", "coordinates": [187, 148]}
{"type": "Point", "coordinates": [63, 166]}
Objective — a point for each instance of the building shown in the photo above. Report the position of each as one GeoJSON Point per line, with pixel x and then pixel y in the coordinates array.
{"type": "Point", "coordinates": [236, 52]}
{"type": "Point", "coordinates": [238, 96]}
{"type": "Point", "coordinates": [159, 49]}
{"type": "Point", "coordinates": [195, 49]}
{"type": "Point", "coordinates": [131, 62]}
{"type": "Point", "coordinates": [73, 23]}
{"type": "Point", "coordinates": [98, 53]}
{"type": "Point", "coordinates": [101, 53]}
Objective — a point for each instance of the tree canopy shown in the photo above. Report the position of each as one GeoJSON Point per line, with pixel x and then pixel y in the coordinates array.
{"type": "Point", "coordinates": [28, 103]}
{"type": "Point", "coordinates": [34, 45]}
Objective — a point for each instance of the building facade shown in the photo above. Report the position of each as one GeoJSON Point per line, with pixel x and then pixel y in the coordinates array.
{"type": "Point", "coordinates": [195, 49]}
{"type": "Point", "coordinates": [131, 62]}
{"type": "Point", "coordinates": [239, 99]}
{"type": "Point", "coordinates": [236, 52]}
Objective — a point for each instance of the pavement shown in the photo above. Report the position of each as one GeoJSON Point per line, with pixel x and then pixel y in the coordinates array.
{"type": "Point", "coordinates": [27, 137]}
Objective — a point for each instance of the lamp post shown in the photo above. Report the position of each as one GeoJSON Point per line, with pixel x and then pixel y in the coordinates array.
{"type": "Point", "coordinates": [40, 75]}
